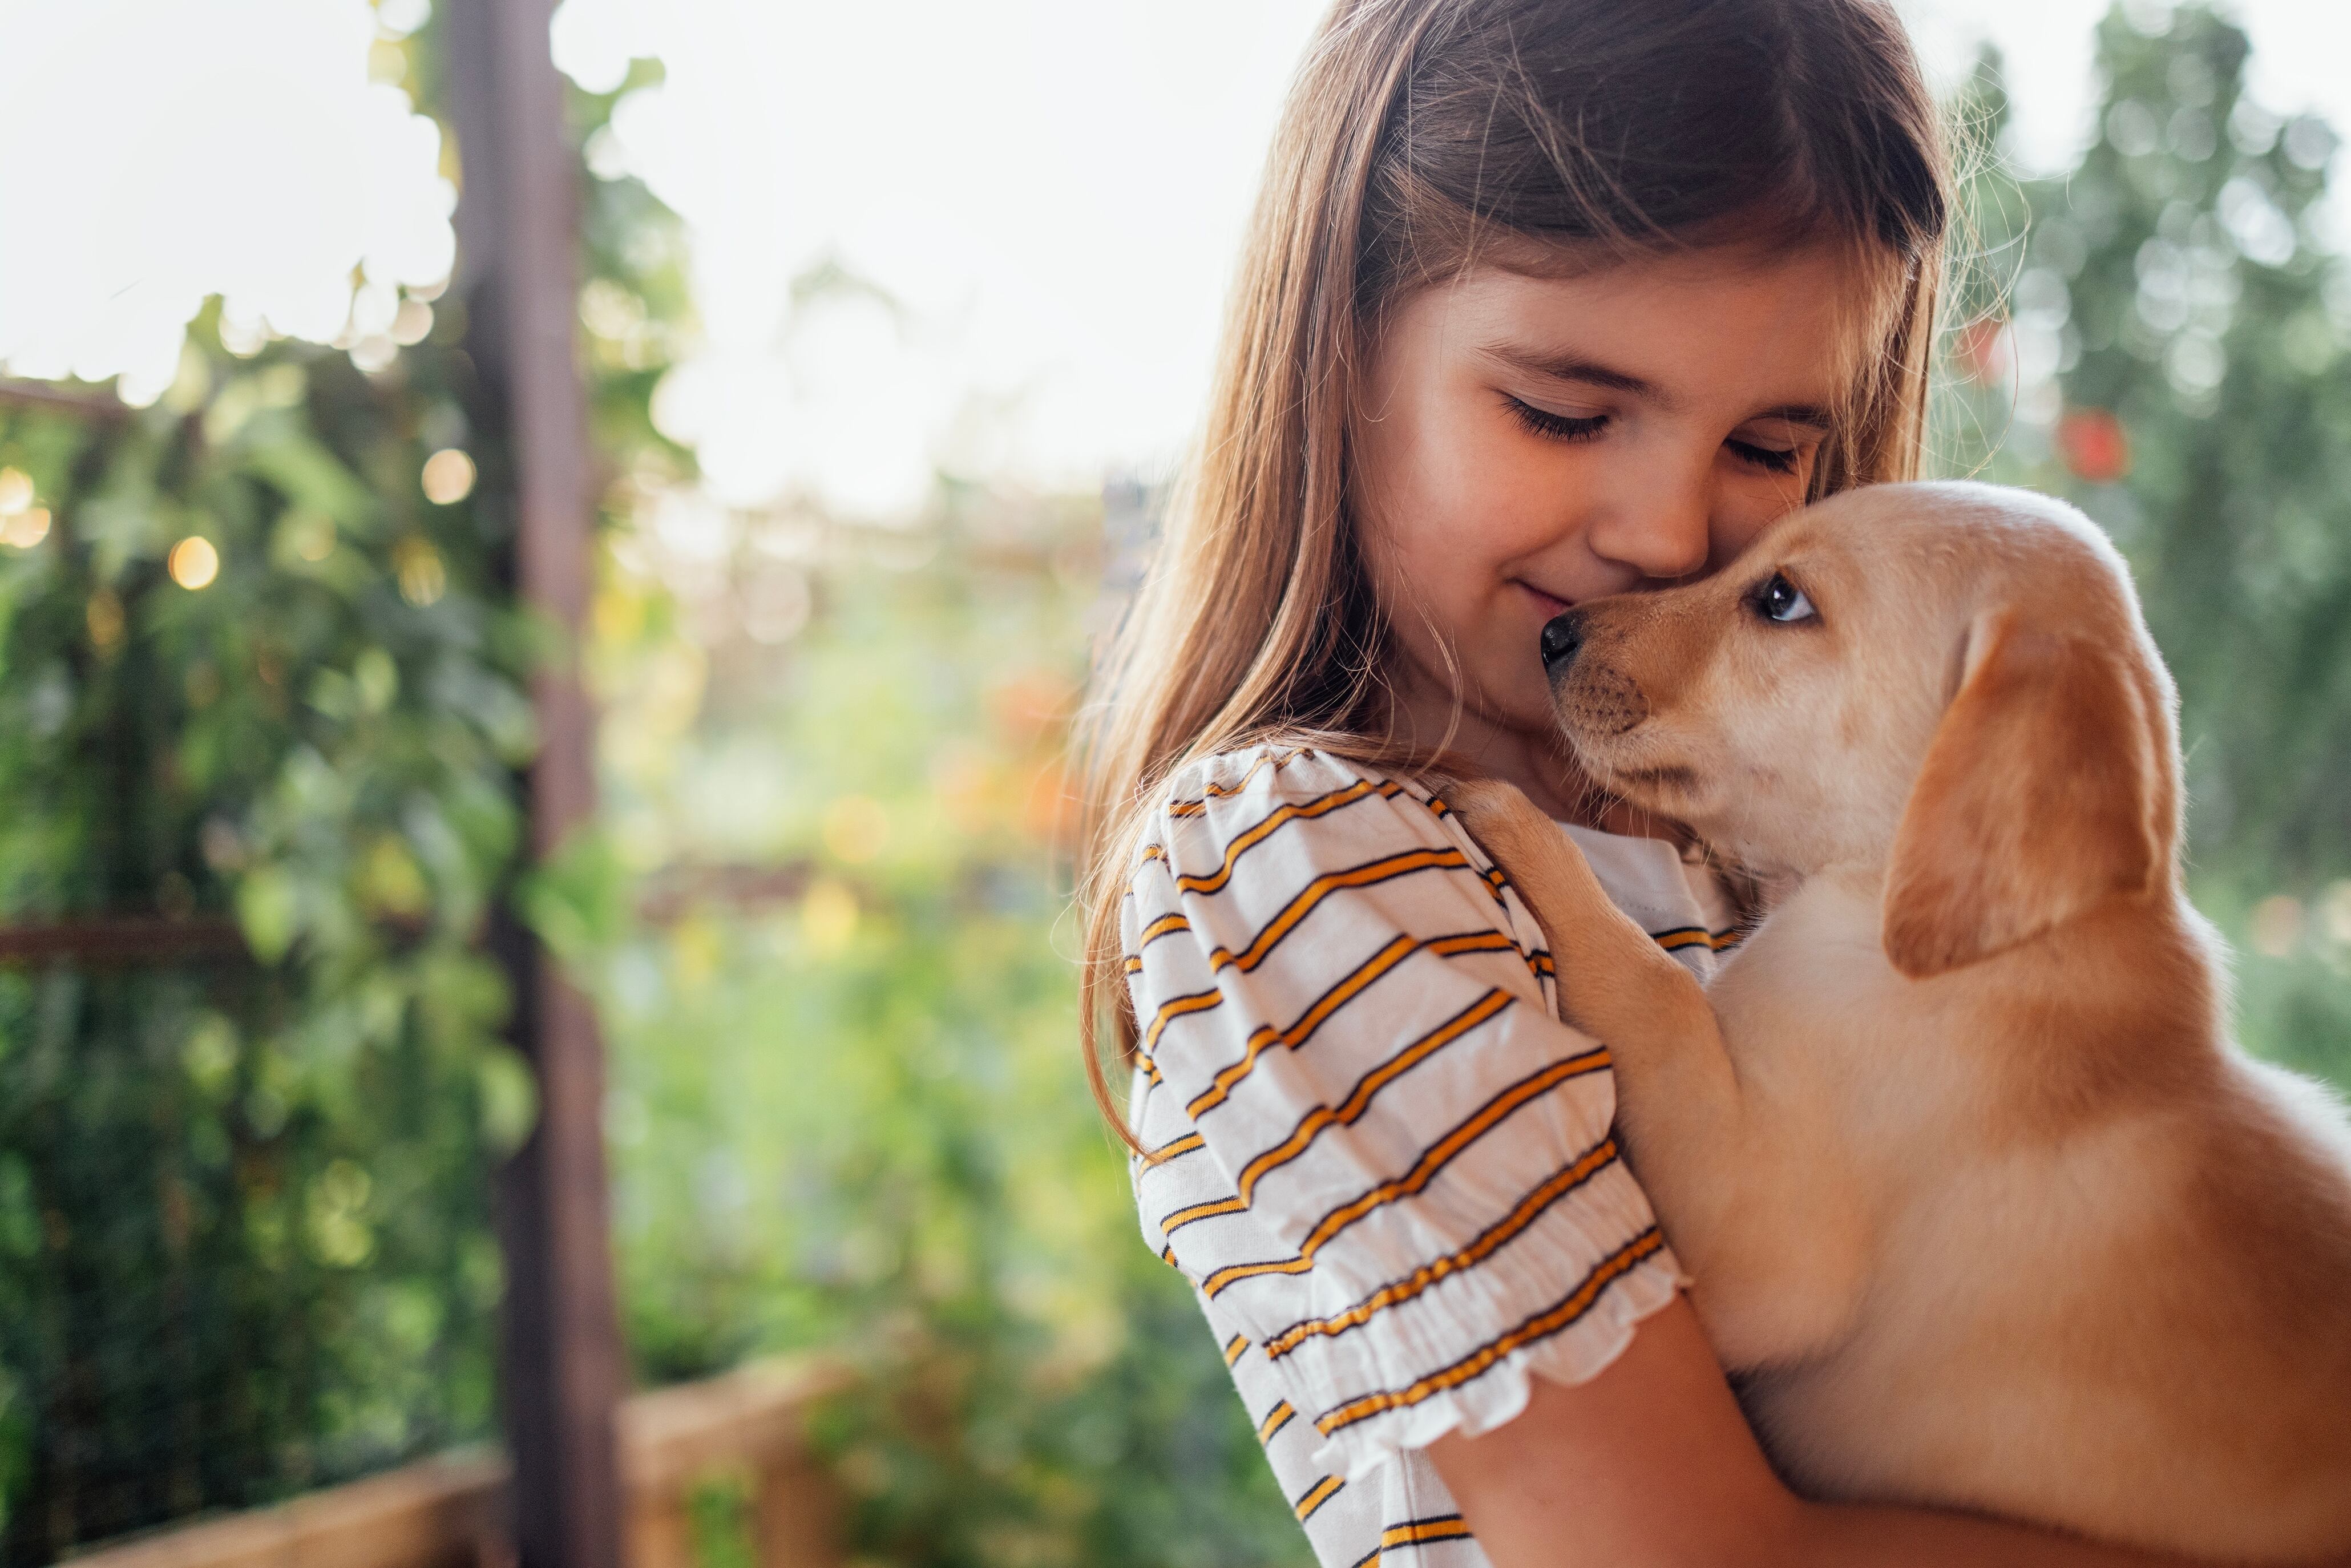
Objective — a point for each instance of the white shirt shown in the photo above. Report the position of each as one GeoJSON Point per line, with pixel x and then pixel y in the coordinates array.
{"type": "Point", "coordinates": [1385, 1166]}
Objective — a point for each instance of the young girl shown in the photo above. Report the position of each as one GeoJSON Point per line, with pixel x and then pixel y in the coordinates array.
{"type": "Point", "coordinates": [1544, 300]}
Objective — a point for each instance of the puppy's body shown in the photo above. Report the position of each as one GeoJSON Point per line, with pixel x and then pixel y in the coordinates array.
{"type": "Point", "coordinates": [1982, 1207]}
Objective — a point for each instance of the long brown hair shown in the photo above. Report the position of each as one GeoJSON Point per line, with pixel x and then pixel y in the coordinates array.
{"type": "Point", "coordinates": [1543, 135]}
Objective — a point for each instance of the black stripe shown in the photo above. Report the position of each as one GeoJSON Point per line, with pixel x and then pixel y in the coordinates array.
{"type": "Point", "coordinates": [1525, 1226]}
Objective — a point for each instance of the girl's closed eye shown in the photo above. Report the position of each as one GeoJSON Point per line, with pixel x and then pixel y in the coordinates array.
{"type": "Point", "coordinates": [1762, 455]}
{"type": "Point", "coordinates": [1552, 426]}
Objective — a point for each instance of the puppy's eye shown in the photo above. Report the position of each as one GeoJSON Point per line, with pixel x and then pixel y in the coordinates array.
{"type": "Point", "coordinates": [1780, 600]}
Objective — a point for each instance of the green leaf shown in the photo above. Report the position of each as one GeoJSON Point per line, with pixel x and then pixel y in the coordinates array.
{"type": "Point", "coordinates": [510, 1099]}
{"type": "Point", "coordinates": [267, 908]}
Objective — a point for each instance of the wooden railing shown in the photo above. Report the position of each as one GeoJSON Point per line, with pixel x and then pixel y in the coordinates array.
{"type": "Point", "coordinates": [453, 1512]}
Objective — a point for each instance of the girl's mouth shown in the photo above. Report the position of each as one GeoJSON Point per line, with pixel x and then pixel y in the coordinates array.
{"type": "Point", "coordinates": [1549, 604]}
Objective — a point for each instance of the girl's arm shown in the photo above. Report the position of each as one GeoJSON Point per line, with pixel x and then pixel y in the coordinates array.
{"type": "Point", "coordinates": [1651, 1464]}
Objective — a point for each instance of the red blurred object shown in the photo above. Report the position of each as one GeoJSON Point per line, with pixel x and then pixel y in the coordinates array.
{"type": "Point", "coordinates": [1983, 350]}
{"type": "Point", "coordinates": [2094, 445]}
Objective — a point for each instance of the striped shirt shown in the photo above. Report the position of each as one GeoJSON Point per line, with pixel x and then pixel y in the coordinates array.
{"type": "Point", "coordinates": [1384, 1166]}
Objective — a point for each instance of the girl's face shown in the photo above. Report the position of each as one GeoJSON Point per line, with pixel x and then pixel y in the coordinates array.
{"type": "Point", "coordinates": [1526, 444]}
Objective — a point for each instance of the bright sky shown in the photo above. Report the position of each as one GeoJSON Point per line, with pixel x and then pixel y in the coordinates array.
{"type": "Point", "coordinates": [1053, 191]}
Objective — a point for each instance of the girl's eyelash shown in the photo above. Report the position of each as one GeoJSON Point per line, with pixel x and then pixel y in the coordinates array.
{"type": "Point", "coordinates": [1567, 427]}
{"type": "Point", "coordinates": [1555, 426]}
{"type": "Point", "coordinates": [1765, 458]}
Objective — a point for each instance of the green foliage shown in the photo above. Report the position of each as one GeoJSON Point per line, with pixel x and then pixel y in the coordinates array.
{"type": "Point", "coordinates": [242, 1202]}
{"type": "Point", "coordinates": [850, 1119]}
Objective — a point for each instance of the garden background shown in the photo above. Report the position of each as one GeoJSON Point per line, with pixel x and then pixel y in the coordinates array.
{"type": "Point", "coordinates": [258, 679]}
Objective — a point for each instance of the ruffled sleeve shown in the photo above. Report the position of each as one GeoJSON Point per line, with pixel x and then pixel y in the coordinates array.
{"type": "Point", "coordinates": [1374, 1146]}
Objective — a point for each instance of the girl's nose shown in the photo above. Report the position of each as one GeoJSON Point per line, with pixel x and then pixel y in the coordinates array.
{"type": "Point", "coordinates": [1660, 530]}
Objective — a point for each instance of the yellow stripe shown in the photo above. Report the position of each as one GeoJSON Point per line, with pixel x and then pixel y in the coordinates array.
{"type": "Point", "coordinates": [1472, 941]}
{"type": "Point", "coordinates": [1276, 760]}
{"type": "Point", "coordinates": [1275, 1420]}
{"type": "Point", "coordinates": [1482, 1360]}
{"type": "Point", "coordinates": [1321, 1492]}
{"type": "Point", "coordinates": [1234, 1273]}
{"type": "Point", "coordinates": [1484, 1246]}
{"type": "Point", "coordinates": [1359, 1099]}
{"type": "Point", "coordinates": [1273, 822]}
{"type": "Point", "coordinates": [1538, 964]}
{"type": "Point", "coordinates": [1167, 1256]}
{"type": "Point", "coordinates": [1312, 1019]}
{"type": "Point", "coordinates": [1183, 1145]}
{"type": "Point", "coordinates": [1235, 1347]}
{"type": "Point", "coordinates": [1164, 925]}
{"type": "Point", "coordinates": [1417, 1531]}
{"type": "Point", "coordinates": [1211, 1210]}
{"type": "Point", "coordinates": [1175, 1007]}
{"type": "Point", "coordinates": [1424, 1170]}
{"type": "Point", "coordinates": [1682, 937]}
{"type": "Point", "coordinates": [1161, 928]}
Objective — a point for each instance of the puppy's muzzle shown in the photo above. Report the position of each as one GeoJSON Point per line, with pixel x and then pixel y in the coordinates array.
{"type": "Point", "coordinates": [1592, 697]}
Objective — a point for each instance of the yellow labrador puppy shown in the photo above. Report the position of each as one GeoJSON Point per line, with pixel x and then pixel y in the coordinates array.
{"type": "Point", "coordinates": [1983, 1206]}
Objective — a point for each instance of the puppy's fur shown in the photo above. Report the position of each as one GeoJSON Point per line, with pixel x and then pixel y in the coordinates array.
{"type": "Point", "coordinates": [1983, 1207]}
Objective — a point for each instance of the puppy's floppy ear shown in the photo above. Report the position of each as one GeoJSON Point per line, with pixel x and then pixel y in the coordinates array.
{"type": "Point", "coordinates": [2041, 796]}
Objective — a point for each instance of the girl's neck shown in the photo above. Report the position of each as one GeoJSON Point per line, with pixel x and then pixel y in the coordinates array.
{"type": "Point", "coordinates": [1536, 760]}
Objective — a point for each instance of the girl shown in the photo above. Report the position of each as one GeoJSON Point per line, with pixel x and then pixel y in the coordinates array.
{"type": "Point", "coordinates": [1544, 299]}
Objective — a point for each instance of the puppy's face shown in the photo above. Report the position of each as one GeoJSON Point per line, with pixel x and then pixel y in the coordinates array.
{"type": "Point", "coordinates": [1802, 708]}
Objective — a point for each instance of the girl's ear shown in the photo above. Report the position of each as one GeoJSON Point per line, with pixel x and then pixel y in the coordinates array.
{"type": "Point", "coordinates": [2042, 794]}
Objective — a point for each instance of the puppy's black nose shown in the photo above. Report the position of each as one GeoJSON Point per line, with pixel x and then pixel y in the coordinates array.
{"type": "Point", "coordinates": [1562, 636]}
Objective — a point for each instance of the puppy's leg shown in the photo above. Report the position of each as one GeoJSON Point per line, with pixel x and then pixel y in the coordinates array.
{"type": "Point", "coordinates": [1748, 1199]}
{"type": "Point", "coordinates": [1614, 982]}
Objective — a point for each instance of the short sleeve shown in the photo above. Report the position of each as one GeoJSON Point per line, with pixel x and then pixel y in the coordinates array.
{"type": "Point", "coordinates": [1372, 1144]}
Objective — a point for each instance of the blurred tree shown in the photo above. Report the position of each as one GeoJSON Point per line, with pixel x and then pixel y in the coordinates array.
{"type": "Point", "coordinates": [260, 709]}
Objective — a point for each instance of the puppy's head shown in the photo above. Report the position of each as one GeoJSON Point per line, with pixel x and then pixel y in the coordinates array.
{"type": "Point", "coordinates": [1948, 682]}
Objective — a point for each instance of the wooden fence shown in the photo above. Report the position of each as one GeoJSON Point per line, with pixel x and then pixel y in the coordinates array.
{"type": "Point", "coordinates": [456, 1510]}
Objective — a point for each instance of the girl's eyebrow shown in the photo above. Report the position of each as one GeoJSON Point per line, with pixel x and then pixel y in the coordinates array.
{"type": "Point", "coordinates": [1573, 367]}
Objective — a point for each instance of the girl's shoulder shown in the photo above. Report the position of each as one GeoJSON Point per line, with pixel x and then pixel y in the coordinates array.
{"type": "Point", "coordinates": [1273, 813]}
{"type": "Point", "coordinates": [1285, 773]}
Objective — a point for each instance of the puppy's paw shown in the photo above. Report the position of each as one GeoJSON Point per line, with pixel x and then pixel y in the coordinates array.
{"type": "Point", "coordinates": [1550, 872]}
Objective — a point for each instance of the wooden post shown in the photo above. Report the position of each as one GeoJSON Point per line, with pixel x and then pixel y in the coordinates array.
{"type": "Point", "coordinates": [562, 1370]}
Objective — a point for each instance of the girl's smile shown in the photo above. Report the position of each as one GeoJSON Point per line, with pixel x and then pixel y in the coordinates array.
{"type": "Point", "coordinates": [1526, 444]}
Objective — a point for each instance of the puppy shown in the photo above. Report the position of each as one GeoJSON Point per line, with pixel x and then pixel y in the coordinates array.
{"type": "Point", "coordinates": [1982, 1207]}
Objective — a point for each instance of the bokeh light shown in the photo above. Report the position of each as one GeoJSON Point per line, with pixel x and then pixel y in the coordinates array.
{"type": "Point", "coordinates": [194, 562]}
{"type": "Point", "coordinates": [26, 528]}
{"type": "Point", "coordinates": [448, 476]}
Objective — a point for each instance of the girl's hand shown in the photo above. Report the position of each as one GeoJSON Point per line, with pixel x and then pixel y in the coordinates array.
{"type": "Point", "coordinates": [1651, 1464]}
